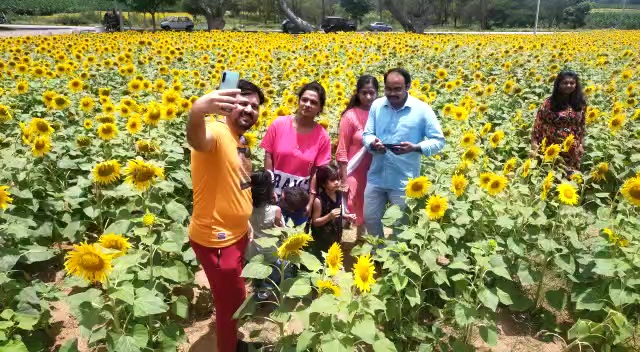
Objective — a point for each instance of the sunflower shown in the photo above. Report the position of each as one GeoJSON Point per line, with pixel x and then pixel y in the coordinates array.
{"type": "Point", "coordinates": [496, 138]}
{"type": "Point", "coordinates": [568, 143]}
{"type": "Point", "coordinates": [468, 139]}
{"type": "Point", "coordinates": [87, 104]}
{"type": "Point", "coordinates": [87, 261]}
{"type": "Point", "coordinates": [170, 112]}
{"type": "Point", "coordinates": [153, 115]}
{"type": "Point", "coordinates": [600, 173]}
{"type": "Point", "coordinates": [141, 174]}
{"type": "Point", "coordinates": [485, 129]}
{"type": "Point", "coordinates": [148, 219]}
{"type": "Point", "coordinates": [171, 97]}
{"type": "Point", "coordinates": [146, 146]}
{"type": "Point", "coordinates": [471, 154]}
{"type": "Point", "coordinates": [567, 193]}
{"type": "Point", "coordinates": [363, 271]}
{"type": "Point", "coordinates": [442, 74]}
{"type": "Point", "coordinates": [616, 123]}
{"type": "Point", "coordinates": [250, 139]}
{"type": "Point", "coordinates": [417, 187]}
{"type": "Point", "coordinates": [436, 207]}
{"type": "Point", "coordinates": [106, 118]}
{"type": "Point", "coordinates": [293, 245]}
{"type": "Point", "coordinates": [41, 146]}
{"type": "Point", "coordinates": [116, 242]}
{"type": "Point", "coordinates": [76, 85]}
{"type": "Point", "coordinates": [40, 127]}
{"type": "Point", "coordinates": [22, 86]}
{"type": "Point", "coordinates": [5, 113]}
{"type": "Point", "coordinates": [5, 198]}
{"type": "Point", "coordinates": [124, 110]}
{"type": "Point", "coordinates": [509, 166]}
{"type": "Point", "coordinates": [88, 124]}
{"type": "Point", "coordinates": [106, 172]}
{"type": "Point", "coordinates": [134, 124]}
{"type": "Point", "coordinates": [458, 184]}
{"type": "Point", "coordinates": [551, 153]}
{"type": "Point", "coordinates": [526, 168]}
{"type": "Point", "coordinates": [107, 131]}
{"type": "Point", "coordinates": [459, 113]}
{"type": "Point", "coordinates": [328, 286]}
{"type": "Point", "coordinates": [448, 109]}
{"type": "Point", "coordinates": [60, 102]}
{"type": "Point", "coordinates": [576, 177]}
{"type": "Point", "coordinates": [108, 108]}
{"type": "Point", "coordinates": [631, 190]}
{"type": "Point", "coordinates": [547, 184]}
{"type": "Point", "coordinates": [334, 259]}
{"type": "Point", "coordinates": [497, 184]}
{"type": "Point", "coordinates": [83, 141]}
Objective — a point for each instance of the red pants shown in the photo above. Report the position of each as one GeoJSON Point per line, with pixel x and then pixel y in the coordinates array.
{"type": "Point", "coordinates": [223, 267]}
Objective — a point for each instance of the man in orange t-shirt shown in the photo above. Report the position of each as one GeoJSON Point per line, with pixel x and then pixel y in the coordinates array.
{"type": "Point", "coordinates": [221, 173]}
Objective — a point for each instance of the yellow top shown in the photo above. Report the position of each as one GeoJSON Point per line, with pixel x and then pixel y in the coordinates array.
{"type": "Point", "coordinates": [222, 203]}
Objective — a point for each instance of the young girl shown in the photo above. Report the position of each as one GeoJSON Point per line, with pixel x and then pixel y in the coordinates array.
{"type": "Point", "coordinates": [326, 212]}
{"type": "Point", "coordinates": [265, 215]}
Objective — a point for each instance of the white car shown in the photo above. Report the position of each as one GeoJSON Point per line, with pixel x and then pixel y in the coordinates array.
{"type": "Point", "coordinates": [177, 23]}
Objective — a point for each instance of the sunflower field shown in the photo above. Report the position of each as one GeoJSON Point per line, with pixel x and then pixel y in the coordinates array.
{"type": "Point", "coordinates": [95, 185]}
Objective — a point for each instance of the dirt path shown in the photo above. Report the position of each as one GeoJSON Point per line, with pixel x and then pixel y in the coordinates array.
{"type": "Point", "coordinates": [201, 337]}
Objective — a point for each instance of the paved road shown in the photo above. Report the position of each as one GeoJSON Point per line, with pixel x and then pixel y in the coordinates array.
{"type": "Point", "coordinates": [11, 30]}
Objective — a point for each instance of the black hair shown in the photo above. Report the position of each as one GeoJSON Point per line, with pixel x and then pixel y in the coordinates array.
{"type": "Point", "coordinates": [316, 87]}
{"type": "Point", "coordinates": [401, 71]}
{"type": "Point", "coordinates": [261, 188]}
{"type": "Point", "coordinates": [325, 174]}
{"type": "Point", "coordinates": [248, 88]}
{"type": "Point", "coordinates": [576, 99]}
{"type": "Point", "coordinates": [362, 81]}
{"type": "Point", "coordinates": [295, 198]}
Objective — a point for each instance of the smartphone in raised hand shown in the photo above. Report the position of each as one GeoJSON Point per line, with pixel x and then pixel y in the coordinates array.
{"type": "Point", "coordinates": [229, 80]}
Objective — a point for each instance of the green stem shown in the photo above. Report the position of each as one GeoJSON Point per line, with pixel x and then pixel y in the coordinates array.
{"type": "Point", "coordinates": [99, 205]}
{"type": "Point", "coordinates": [281, 299]}
{"type": "Point", "coordinates": [114, 311]}
{"type": "Point", "coordinates": [541, 286]}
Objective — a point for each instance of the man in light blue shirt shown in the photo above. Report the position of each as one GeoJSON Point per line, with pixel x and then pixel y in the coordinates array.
{"type": "Point", "coordinates": [399, 131]}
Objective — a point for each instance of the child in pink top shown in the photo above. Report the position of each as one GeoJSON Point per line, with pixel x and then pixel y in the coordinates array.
{"type": "Point", "coordinates": [352, 124]}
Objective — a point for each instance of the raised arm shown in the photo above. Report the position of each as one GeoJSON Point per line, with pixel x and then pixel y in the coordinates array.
{"type": "Point", "coordinates": [219, 102]}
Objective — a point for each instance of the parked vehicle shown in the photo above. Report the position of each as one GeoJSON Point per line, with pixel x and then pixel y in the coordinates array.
{"type": "Point", "coordinates": [177, 23]}
{"type": "Point", "coordinates": [380, 27]}
{"type": "Point", "coordinates": [291, 28]}
{"type": "Point", "coordinates": [337, 24]}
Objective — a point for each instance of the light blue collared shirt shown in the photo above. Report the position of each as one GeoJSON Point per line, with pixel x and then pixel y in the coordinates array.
{"type": "Point", "coordinates": [415, 122]}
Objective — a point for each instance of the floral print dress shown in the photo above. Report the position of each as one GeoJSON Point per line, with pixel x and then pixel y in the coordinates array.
{"type": "Point", "coordinates": [556, 127]}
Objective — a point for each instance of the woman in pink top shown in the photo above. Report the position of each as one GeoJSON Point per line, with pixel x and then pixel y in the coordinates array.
{"type": "Point", "coordinates": [354, 118]}
{"type": "Point", "coordinates": [295, 146]}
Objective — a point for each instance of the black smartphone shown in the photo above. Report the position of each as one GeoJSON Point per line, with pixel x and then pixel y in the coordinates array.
{"type": "Point", "coordinates": [392, 146]}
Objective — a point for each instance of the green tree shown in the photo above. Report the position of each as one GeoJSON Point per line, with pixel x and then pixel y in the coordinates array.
{"type": "Point", "coordinates": [575, 15]}
{"type": "Point", "coordinates": [150, 6]}
{"type": "Point", "coordinates": [356, 8]}
{"type": "Point", "coordinates": [212, 10]}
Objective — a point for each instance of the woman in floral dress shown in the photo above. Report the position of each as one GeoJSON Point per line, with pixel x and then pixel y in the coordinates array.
{"type": "Point", "coordinates": [562, 115]}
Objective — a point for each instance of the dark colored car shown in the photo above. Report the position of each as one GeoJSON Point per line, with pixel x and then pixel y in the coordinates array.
{"type": "Point", "coordinates": [291, 28]}
{"type": "Point", "coordinates": [337, 24]}
{"type": "Point", "coordinates": [380, 27]}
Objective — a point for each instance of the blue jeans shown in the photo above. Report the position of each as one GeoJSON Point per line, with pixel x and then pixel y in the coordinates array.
{"type": "Point", "coordinates": [375, 204]}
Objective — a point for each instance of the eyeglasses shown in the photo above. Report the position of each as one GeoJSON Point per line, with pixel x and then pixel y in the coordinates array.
{"type": "Point", "coordinates": [395, 90]}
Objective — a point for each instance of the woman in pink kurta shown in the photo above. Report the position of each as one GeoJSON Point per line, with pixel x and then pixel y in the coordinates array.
{"type": "Point", "coordinates": [354, 118]}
